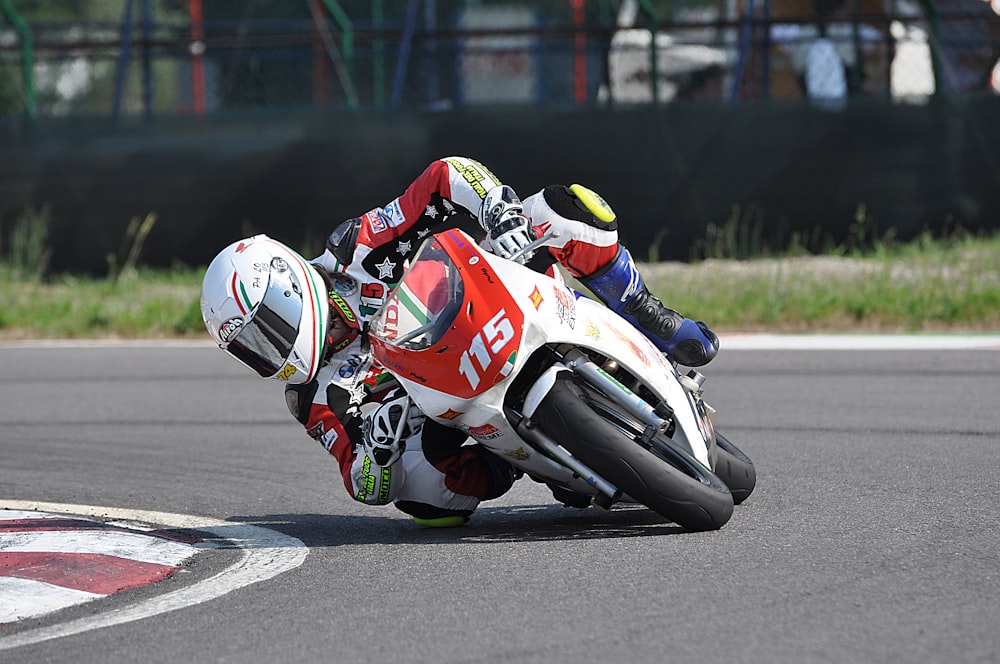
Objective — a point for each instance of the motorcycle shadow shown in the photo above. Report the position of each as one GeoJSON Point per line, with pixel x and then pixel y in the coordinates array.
{"type": "Point", "coordinates": [489, 524]}
{"type": "Point", "coordinates": [547, 522]}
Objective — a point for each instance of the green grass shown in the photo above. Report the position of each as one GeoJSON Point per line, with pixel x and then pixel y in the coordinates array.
{"type": "Point", "coordinates": [926, 285]}
{"type": "Point", "coordinates": [141, 304]}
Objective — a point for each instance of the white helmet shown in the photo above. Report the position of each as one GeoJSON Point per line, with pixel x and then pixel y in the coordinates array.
{"type": "Point", "coordinates": [267, 307]}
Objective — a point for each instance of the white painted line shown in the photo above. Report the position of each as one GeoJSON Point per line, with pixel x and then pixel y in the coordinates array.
{"type": "Point", "coordinates": [44, 598]}
{"type": "Point", "coordinates": [105, 542]}
{"type": "Point", "coordinates": [265, 554]}
{"type": "Point", "coordinates": [931, 342]}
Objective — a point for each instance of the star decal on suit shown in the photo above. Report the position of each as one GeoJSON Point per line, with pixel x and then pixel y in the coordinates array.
{"type": "Point", "coordinates": [422, 233]}
{"type": "Point", "coordinates": [385, 268]}
{"type": "Point", "coordinates": [431, 211]}
{"type": "Point", "coordinates": [403, 248]}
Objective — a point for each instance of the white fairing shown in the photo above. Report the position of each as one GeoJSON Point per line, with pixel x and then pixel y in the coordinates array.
{"type": "Point", "coordinates": [554, 314]}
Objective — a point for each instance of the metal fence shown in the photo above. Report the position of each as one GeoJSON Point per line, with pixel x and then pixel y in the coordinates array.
{"type": "Point", "coordinates": [182, 57]}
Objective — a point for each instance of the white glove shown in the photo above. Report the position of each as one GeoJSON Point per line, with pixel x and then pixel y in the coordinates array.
{"type": "Point", "coordinates": [507, 229]}
{"type": "Point", "coordinates": [385, 429]}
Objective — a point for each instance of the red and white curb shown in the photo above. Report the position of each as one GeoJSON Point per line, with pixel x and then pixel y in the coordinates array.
{"type": "Point", "coordinates": [51, 561]}
{"type": "Point", "coordinates": [52, 557]}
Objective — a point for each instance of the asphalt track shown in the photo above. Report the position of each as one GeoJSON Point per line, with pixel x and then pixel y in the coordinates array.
{"type": "Point", "coordinates": [873, 535]}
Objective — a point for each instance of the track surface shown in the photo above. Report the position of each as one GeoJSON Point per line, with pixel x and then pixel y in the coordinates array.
{"type": "Point", "coordinates": [873, 535]}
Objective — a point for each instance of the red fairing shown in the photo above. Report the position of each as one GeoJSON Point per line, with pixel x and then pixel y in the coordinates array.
{"type": "Point", "coordinates": [480, 349]}
{"type": "Point", "coordinates": [325, 427]}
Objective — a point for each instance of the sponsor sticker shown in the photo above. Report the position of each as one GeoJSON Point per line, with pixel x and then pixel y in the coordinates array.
{"type": "Point", "coordinates": [519, 454]}
{"type": "Point", "coordinates": [344, 285]}
{"type": "Point", "coordinates": [536, 298]}
{"type": "Point", "coordinates": [392, 214]}
{"type": "Point", "coordinates": [349, 366]}
{"type": "Point", "coordinates": [377, 221]}
{"type": "Point", "coordinates": [229, 329]}
{"type": "Point", "coordinates": [565, 307]}
{"type": "Point", "coordinates": [343, 308]}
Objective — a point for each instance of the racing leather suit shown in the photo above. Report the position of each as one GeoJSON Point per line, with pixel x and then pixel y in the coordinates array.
{"type": "Point", "coordinates": [437, 475]}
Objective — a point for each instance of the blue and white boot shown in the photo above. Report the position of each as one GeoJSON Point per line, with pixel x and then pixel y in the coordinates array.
{"type": "Point", "coordinates": [619, 285]}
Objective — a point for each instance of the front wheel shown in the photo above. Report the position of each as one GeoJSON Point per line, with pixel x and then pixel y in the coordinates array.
{"type": "Point", "coordinates": [694, 498]}
{"type": "Point", "coordinates": [734, 468]}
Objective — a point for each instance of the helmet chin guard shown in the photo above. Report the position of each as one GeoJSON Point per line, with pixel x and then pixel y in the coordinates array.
{"type": "Point", "coordinates": [267, 306]}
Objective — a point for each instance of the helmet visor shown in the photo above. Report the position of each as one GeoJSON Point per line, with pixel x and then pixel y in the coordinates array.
{"type": "Point", "coordinates": [267, 339]}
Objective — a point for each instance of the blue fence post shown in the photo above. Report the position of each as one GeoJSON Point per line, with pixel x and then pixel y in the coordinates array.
{"type": "Point", "coordinates": [123, 56]}
{"type": "Point", "coordinates": [403, 59]}
{"type": "Point", "coordinates": [147, 66]}
{"type": "Point", "coordinates": [766, 83]}
{"type": "Point", "coordinates": [744, 49]}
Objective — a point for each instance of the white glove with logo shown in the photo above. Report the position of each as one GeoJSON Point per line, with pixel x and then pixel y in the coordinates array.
{"type": "Point", "coordinates": [507, 229]}
{"type": "Point", "coordinates": [385, 429]}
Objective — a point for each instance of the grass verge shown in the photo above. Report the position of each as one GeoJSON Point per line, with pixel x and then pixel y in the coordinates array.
{"type": "Point", "coordinates": [924, 286]}
{"type": "Point", "coordinates": [141, 304]}
{"type": "Point", "coordinates": [920, 287]}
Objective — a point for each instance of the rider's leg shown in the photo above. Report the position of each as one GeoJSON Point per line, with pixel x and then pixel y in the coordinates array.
{"type": "Point", "coordinates": [446, 480]}
{"type": "Point", "coordinates": [588, 247]}
{"type": "Point", "coordinates": [620, 286]}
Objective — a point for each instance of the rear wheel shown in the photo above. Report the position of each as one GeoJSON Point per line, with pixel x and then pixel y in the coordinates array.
{"type": "Point", "coordinates": [735, 469]}
{"type": "Point", "coordinates": [680, 489]}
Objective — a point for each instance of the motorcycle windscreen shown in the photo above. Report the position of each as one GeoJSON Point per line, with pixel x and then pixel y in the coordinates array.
{"type": "Point", "coordinates": [424, 303]}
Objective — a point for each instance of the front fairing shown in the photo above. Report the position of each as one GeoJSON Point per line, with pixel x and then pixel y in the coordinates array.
{"type": "Point", "coordinates": [456, 351]}
{"type": "Point", "coordinates": [448, 325]}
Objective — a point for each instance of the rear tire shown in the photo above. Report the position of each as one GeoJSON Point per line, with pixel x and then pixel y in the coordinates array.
{"type": "Point", "coordinates": [735, 469]}
{"type": "Point", "coordinates": [694, 498]}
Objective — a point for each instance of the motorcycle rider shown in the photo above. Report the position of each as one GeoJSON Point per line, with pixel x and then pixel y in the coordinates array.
{"type": "Point", "coordinates": [302, 322]}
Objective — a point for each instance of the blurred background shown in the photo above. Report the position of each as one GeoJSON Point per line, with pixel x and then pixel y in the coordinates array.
{"type": "Point", "coordinates": [776, 121]}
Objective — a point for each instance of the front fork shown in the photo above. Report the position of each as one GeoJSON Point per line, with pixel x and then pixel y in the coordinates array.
{"type": "Point", "coordinates": [655, 419]}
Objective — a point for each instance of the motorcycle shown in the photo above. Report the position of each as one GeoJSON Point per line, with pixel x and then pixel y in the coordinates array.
{"type": "Point", "coordinates": [555, 383]}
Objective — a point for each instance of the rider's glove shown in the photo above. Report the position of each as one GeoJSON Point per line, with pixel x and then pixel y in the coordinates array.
{"type": "Point", "coordinates": [386, 428]}
{"type": "Point", "coordinates": [507, 229]}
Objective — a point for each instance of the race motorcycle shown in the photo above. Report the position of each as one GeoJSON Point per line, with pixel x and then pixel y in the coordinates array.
{"type": "Point", "coordinates": [555, 383]}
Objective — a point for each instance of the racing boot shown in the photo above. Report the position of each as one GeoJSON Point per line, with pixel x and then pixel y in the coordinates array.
{"type": "Point", "coordinates": [619, 285]}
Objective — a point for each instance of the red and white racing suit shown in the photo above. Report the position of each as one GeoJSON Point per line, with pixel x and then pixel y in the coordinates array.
{"type": "Point", "coordinates": [437, 474]}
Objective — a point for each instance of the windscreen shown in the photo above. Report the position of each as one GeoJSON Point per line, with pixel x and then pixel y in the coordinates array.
{"type": "Point", "coordinates": [423, 305]}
